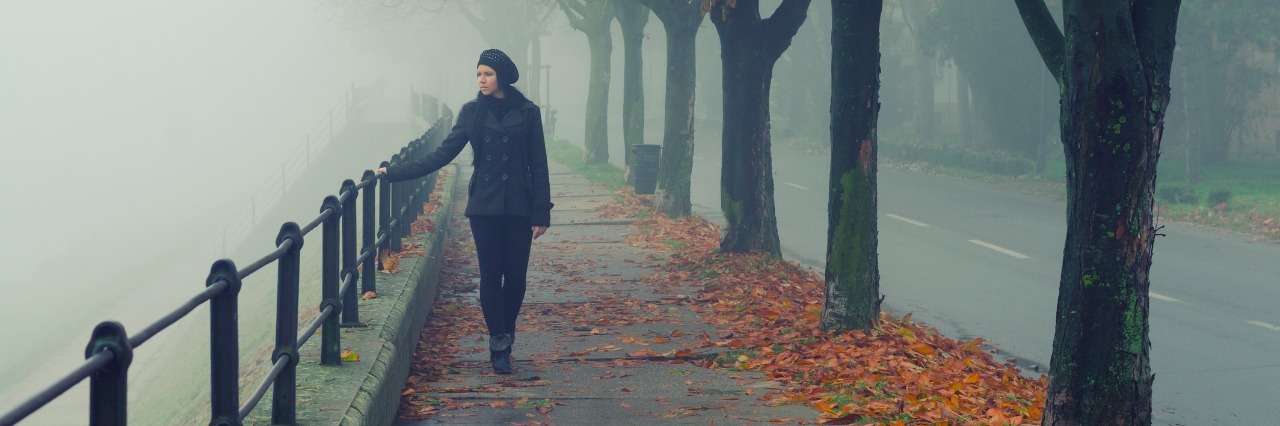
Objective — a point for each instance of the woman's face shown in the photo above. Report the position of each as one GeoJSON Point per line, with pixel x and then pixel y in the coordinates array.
{"type": "Point", "coordinates": [487, 79]}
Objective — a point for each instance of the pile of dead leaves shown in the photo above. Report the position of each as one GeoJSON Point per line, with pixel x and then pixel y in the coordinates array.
{"type": "Point", "coordinates": [453, 317]}
{"type": "Point", "coordinates": [1263, 221]}
{"type": "Point", "coordinates": [768, 312]}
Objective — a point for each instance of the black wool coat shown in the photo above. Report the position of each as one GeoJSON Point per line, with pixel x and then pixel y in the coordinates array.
{"type": "Point", "coordinates": [510, 176]}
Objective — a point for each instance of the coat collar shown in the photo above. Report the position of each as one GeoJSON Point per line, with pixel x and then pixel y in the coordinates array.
{"type": "Point", "coordinates": [513, 118]}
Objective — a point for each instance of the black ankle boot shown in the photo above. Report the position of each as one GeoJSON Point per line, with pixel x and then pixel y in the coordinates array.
{"type": "Point", "coordinates": [500, 353]}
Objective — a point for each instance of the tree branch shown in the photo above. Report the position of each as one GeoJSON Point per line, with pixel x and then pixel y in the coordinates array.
{"type": "Point", "coordinates": [1044, 33]}
{"type": "Point", "coordinates": [782, 26]}
{"type": "Point", "coordinates": [471, 17]}
{"type": "Point", "coordinates": [1155, 24]}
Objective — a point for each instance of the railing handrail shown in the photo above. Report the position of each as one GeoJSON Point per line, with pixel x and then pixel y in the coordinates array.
{"type": "Point", "coordinates": [110, 350]}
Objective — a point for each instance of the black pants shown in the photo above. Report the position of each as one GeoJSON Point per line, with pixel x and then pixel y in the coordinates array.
{"type": "Point", "coordinates": [502, 250]}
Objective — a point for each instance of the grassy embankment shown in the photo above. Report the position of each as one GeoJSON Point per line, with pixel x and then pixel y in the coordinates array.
{"type": "Point", "coordinates": [1240, 196]}
{"type": "Point", "coordinates": [608, 175]}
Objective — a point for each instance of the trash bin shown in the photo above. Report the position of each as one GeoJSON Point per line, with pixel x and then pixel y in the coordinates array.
{"type": "Point", "coordinates": [644, 167]}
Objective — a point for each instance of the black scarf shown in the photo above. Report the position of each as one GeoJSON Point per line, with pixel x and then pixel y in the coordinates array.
{"type": "Point", "coordinates": [499, 107]}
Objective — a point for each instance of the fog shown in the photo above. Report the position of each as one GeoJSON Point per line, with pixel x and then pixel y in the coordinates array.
{"type": "Point", "coordinates": [134, 134]}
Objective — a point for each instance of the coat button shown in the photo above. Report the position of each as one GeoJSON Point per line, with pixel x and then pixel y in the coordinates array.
{"type": "Point", "coordinates": [504, 157]}
{"type": "Point", "coordinates": [486, 138]}
{"type": "Point", "coordinates": [504, 176]}
{"type": "Point", "coordinates": [504, 138]}
{"type": "Point", "coordinates": [488, 157]}
{"type": "Point", "coordinates": [486, 178]}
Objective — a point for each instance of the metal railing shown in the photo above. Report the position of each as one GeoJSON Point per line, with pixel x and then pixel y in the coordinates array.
{"type": "Point", "coordinates": [110, 349]}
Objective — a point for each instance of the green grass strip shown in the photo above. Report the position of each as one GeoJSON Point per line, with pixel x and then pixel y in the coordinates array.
{"type": "Point", "coordinates": [563, 152]}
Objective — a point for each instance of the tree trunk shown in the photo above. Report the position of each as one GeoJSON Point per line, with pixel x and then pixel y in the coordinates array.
{"type": "Point", "coordinates": [1114, 75]}
{"type": "Point", "coordinates": [632, 17]}
{"type": "Point", "coordinates": [852, 272]}
{"type": "Point", "coordinates": [926, 117]}
{"type": "Point", "coordinates": [964, 109]}
{"type": "Point", "coordinates": [535, 71]}
{"type": "Point", "coordinates": [681, 21]}
{"type": "Point", "coordinates": [594, 19]}
{"type": "Point", "coordinates": [1194, 161]}
{"type": "Point", "coordinates": [749, 47]}
{"type": "Point", "coordinates": [596, 135]}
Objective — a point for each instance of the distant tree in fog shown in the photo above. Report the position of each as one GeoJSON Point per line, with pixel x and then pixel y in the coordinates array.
{"type": "Point", "coordinates": [1011, 92]}
{"type": "Point", "coordinates": [1220, 73]}
{"type": "Point", "coordinates": [749, 47]}
{"type": "Point", "coordinates": [632, 17]}
{"type": "Point", "coordinates": [514, 26]}
{"type": "Point", "coordinates": [594, 19]}
{"type": "Point", "coordinates": [1113, 65]}
{"type": "Point", "coordinates": [681, 20]}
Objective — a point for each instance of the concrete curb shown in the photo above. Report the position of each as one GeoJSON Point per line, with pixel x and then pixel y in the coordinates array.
{"type": "Point", "coordinates": [378, 398]}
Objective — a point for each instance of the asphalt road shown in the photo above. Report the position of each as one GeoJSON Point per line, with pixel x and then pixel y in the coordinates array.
{"type": "Point", "coordinates": [977, 262]}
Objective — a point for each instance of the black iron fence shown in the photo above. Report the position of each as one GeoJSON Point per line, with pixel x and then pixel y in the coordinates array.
{"type": "Point", "coordinates": [110, 349]}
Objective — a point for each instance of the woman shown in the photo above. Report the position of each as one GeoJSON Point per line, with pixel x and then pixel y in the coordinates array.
{"type": "Point", "coordinates": [510, 196]}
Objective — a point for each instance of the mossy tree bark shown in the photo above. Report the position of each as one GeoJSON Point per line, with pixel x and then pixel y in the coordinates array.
{"type": "Point", "coordinates": [681, 19]}
{"type": "Point", "coordinates": [594, 18]}
{"type": "Point", "coordinates": [632, 17]}
{"type": "Point", "coordinates": [749, 48]}
{"type": "Point", "coordinates": [852, 273]}
{"type": "Point", "coordinates": [1113, 67]}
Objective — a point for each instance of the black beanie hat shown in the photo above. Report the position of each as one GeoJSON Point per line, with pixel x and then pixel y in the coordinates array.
{"type": "Point", "coordinates": [501, 64]}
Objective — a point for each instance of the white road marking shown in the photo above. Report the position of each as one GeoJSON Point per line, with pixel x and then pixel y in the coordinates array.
{"type": "Point", "coordinates": [913, 222]}
{"type": "Point", "coordinates": [1273, 327]}
{"type": "Point", "coordinates": [1000, 249]}
{"type": "Point", "coordinates": [797, 186]}
{"type": "Point", "coordinates": [1155, 295]}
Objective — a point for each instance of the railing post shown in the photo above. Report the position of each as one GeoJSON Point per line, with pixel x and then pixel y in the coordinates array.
{"type": "Point", "coordinates": [397, 200]}
{"type": "Point", "coordinates": [109, 387]}
{"type": "Point", "coordinates": [368, 280]}
{"type": "Point", "coordinates": [402, 193]}
{"type": "Point", "coordinates": [384, 215]}
{"type": "Point", "coordinates": [224, 346]}
{"type": "Point", "coordinates": [350, 299]}
{"type": "Point", "coordinates": [330, 340]}
{"type": "Point", "coordinates": [284, 390]}
{"type": "Point", "coordinates": [411, 198]}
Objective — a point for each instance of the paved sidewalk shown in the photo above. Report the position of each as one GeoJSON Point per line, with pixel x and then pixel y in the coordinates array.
{"type": "Point", "coordinates": [596, 340]}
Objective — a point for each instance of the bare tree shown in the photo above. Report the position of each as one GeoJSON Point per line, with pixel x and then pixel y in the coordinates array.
{"type": "Point", "coordinates": [749, 47]}
{"type": "Point", "coordinates": [632, 17]}
{"type": "Point", "coordinates": [1113, 65]}
{"type": "Point", "coordinates": [593, 18]}
{"type": "Point", "coordinates": [852, 271]}
{"type": "Point", "coordinates": [681, 20]}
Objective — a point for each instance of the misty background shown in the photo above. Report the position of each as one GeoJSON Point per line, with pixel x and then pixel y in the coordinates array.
{"type": "Point", "coordinates": [134, 133]}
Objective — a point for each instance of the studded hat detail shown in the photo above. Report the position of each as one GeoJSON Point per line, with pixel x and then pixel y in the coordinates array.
{"type": "Point", "coordinates": [501, 64]}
